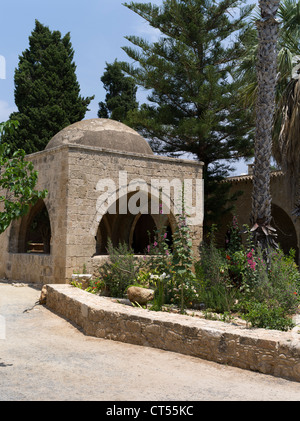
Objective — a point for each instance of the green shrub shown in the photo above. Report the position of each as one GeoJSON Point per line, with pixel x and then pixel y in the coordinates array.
{"type": "Point", "coordinates": [220, 298]}
{"type": "Point", "coordinates": [267, 315]}
{"type": "Point", "coordinates": [120, 270]}
{"type": "Point", "coordinates": [265, 286]}
{"type": "Point", "coordinates": [263, 289]}
{"type": "Point", "coordinates": [173, 269]}
{"type": "Point", "coordinates": [217, 290]}
{"type": "Point", "coordinates": [96, 286]}
{"type": "Point", "coordinates": [275, 280]}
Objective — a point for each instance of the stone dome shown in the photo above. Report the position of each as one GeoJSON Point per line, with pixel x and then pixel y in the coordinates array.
{"type": "Point", "coordinates": [101, 133]}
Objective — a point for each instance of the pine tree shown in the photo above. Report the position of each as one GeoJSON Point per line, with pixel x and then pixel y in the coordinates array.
{"type": "Point", "coordinates": [121, 93]}
{"type": "Point", "coordinates": [46, 90]}
{"type": "Point", "coordinates": [192, 105]}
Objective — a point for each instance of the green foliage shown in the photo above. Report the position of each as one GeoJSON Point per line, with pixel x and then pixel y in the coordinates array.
{"type": "Point", "coordinates": [219, 298]}
{"type": "Point", "coordinates": [182, 258]}
{"type": "Point", "coordinates": [161, 283]}
{"type": "Point", "coordinates": [267, 315]}
{"type": "Point", "coordinates": [172, 270]}
{"type": "Point", "coordinates": [235, 280]}
{"type": "Point", "coordinates": [159, 259]}
{"type": "Point", "coordinates": [143, 279]}
{"type": "Point", "coordinates": [192, 105]}
{"type": "Point", "coordinates": [168, 272]}
{"type": "Point", "coordinates": [159, 265]}
{"type": "Point", "coordinates": [121, 93]}
{"type": "Point", "coordinates": [288, 46]}
{"type": "Point", "coordinates": [183, 262]}
{"type": "Point", "coordinates": [276, 281]}
{"type": "Point", "coordinates": [265, 292]}
{"type": "Point", "coordinates": [8, 127]}
{"type": "Point", "coordinates": [120, 270]}
{"type": "Point", "coordinates": [46, 90]}
{"type": "Point", "coordinates": [76, 284]}
{"type": "Point", "coordinates": [218, 292]}
{"type": "Point", "coordinates": [97, 286]}
{"type": "Point", "coordinates": [17, 182]}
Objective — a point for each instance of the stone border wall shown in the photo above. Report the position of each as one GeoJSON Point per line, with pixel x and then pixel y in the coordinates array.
{"type": "Point", "coordinates": [269, 352]}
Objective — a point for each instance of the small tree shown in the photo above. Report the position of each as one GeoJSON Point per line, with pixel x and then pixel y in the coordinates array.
{"type": "Point", "coordinates": [17, 182]}
{"type": "Point", "coordinates": [121, 93]}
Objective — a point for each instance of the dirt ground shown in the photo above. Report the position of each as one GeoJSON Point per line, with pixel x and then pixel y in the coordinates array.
{"type": "Point", "coordinates": [43, 357]}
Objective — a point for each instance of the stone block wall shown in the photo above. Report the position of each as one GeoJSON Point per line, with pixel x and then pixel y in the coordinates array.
{"type": "Point", "coordinates": [288, 227]}
{"type": "Point", "coordinates": [266, 351]}
{"type": "Point", "coordinates": [88, 166]}
{"type": "Point", "coordinates": [71, 173]}
{"type": "Point", "coordinates": [52, 175]}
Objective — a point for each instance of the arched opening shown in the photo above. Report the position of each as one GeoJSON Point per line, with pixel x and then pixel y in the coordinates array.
{"type": "Point", "coordinates": [102, 236]}
{"type": "Point", "coordinates": [35, 230]}
{"type": "Point", "coordinates": [221, 235]}
{"type": "Point", "coordinates": [137, 231]}
{"type": "Point", "coordinates": [115, 228]}
{"type": "Point", "coordinates": [143, 234]}
{"type": "Point", "coordinates": [285, 230]}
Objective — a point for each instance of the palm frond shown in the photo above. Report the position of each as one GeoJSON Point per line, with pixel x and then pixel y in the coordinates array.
{"type": "Point", "coordinates": [286, 139]}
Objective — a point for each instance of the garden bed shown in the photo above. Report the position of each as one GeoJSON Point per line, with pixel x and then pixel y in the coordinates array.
{"type": "Point", "coordinates": [266, 351]}
{"type": "Point", "coordinates": [232, 319]}
{"type": "Point", "coordinates": [261, 285]}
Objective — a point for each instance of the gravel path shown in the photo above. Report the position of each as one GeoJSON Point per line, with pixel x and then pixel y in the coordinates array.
{"type": "Point", "coordinates": [45, 358]}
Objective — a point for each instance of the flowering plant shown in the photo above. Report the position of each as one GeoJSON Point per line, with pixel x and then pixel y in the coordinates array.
{"type": "Point", "coordinates": [172, 267]}
{"type": "Point", "coordinates": [263, 289]}
{"type": "Point", "coordinates": [270, 285]}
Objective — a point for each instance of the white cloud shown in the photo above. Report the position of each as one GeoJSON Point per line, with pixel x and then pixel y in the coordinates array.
{"type": "Point", "coordinates": [5, 110]}
{"type": "Point", "coordinates": [2, 67]}
{"type": "Point", "coordinates": [147, 31]}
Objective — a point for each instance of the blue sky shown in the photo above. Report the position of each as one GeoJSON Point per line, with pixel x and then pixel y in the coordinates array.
{"type": "Point", "coordinates": [97, 29]}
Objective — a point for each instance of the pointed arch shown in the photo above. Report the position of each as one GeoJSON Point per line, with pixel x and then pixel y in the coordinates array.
{"type": "Point", "coordinates": [135, 230]}
{"type": "Point", "coordinates": [285, 230]}
{"type": "Point", "coordinates": [32, 234]}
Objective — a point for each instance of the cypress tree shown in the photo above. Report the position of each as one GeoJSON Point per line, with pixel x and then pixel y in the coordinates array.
{"type": "Point", "coordinates": [193, 105]}
{"type": "Point", "coordinates": [121, 93]}
{"type": "Point", "coordinates": [47, 93]}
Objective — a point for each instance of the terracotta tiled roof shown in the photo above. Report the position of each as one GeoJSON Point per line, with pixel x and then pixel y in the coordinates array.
{"type": "Point", "coordinates": [246, 177]}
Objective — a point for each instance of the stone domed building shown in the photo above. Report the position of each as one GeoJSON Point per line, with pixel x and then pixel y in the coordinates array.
{"type": "Point", "coordinates": [103, 181]}
{"type": "Point", "coordinates": [101, 133]}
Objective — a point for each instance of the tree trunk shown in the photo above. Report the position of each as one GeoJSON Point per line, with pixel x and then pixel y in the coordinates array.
{"type": "Point", "coordinates": [266, 74]}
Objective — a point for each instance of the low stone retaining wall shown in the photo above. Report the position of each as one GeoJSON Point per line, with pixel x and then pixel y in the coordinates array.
{"type": "Point", "coordinates": [269, 352]}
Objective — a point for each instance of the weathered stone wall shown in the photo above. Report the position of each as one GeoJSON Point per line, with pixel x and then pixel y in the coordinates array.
{"type": "Point", "coordinates": [27, 267]}
{"type": "Point", "coordinates": [269, 352]}
{"type": "Point", "coordinates": [70, 174]}
{"type": "Point", "coordinates": [87, 166]}
{"type": "Point", "coordinates": [52, 175]}
{"type": "Point", "coordinates": [288, 227]}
